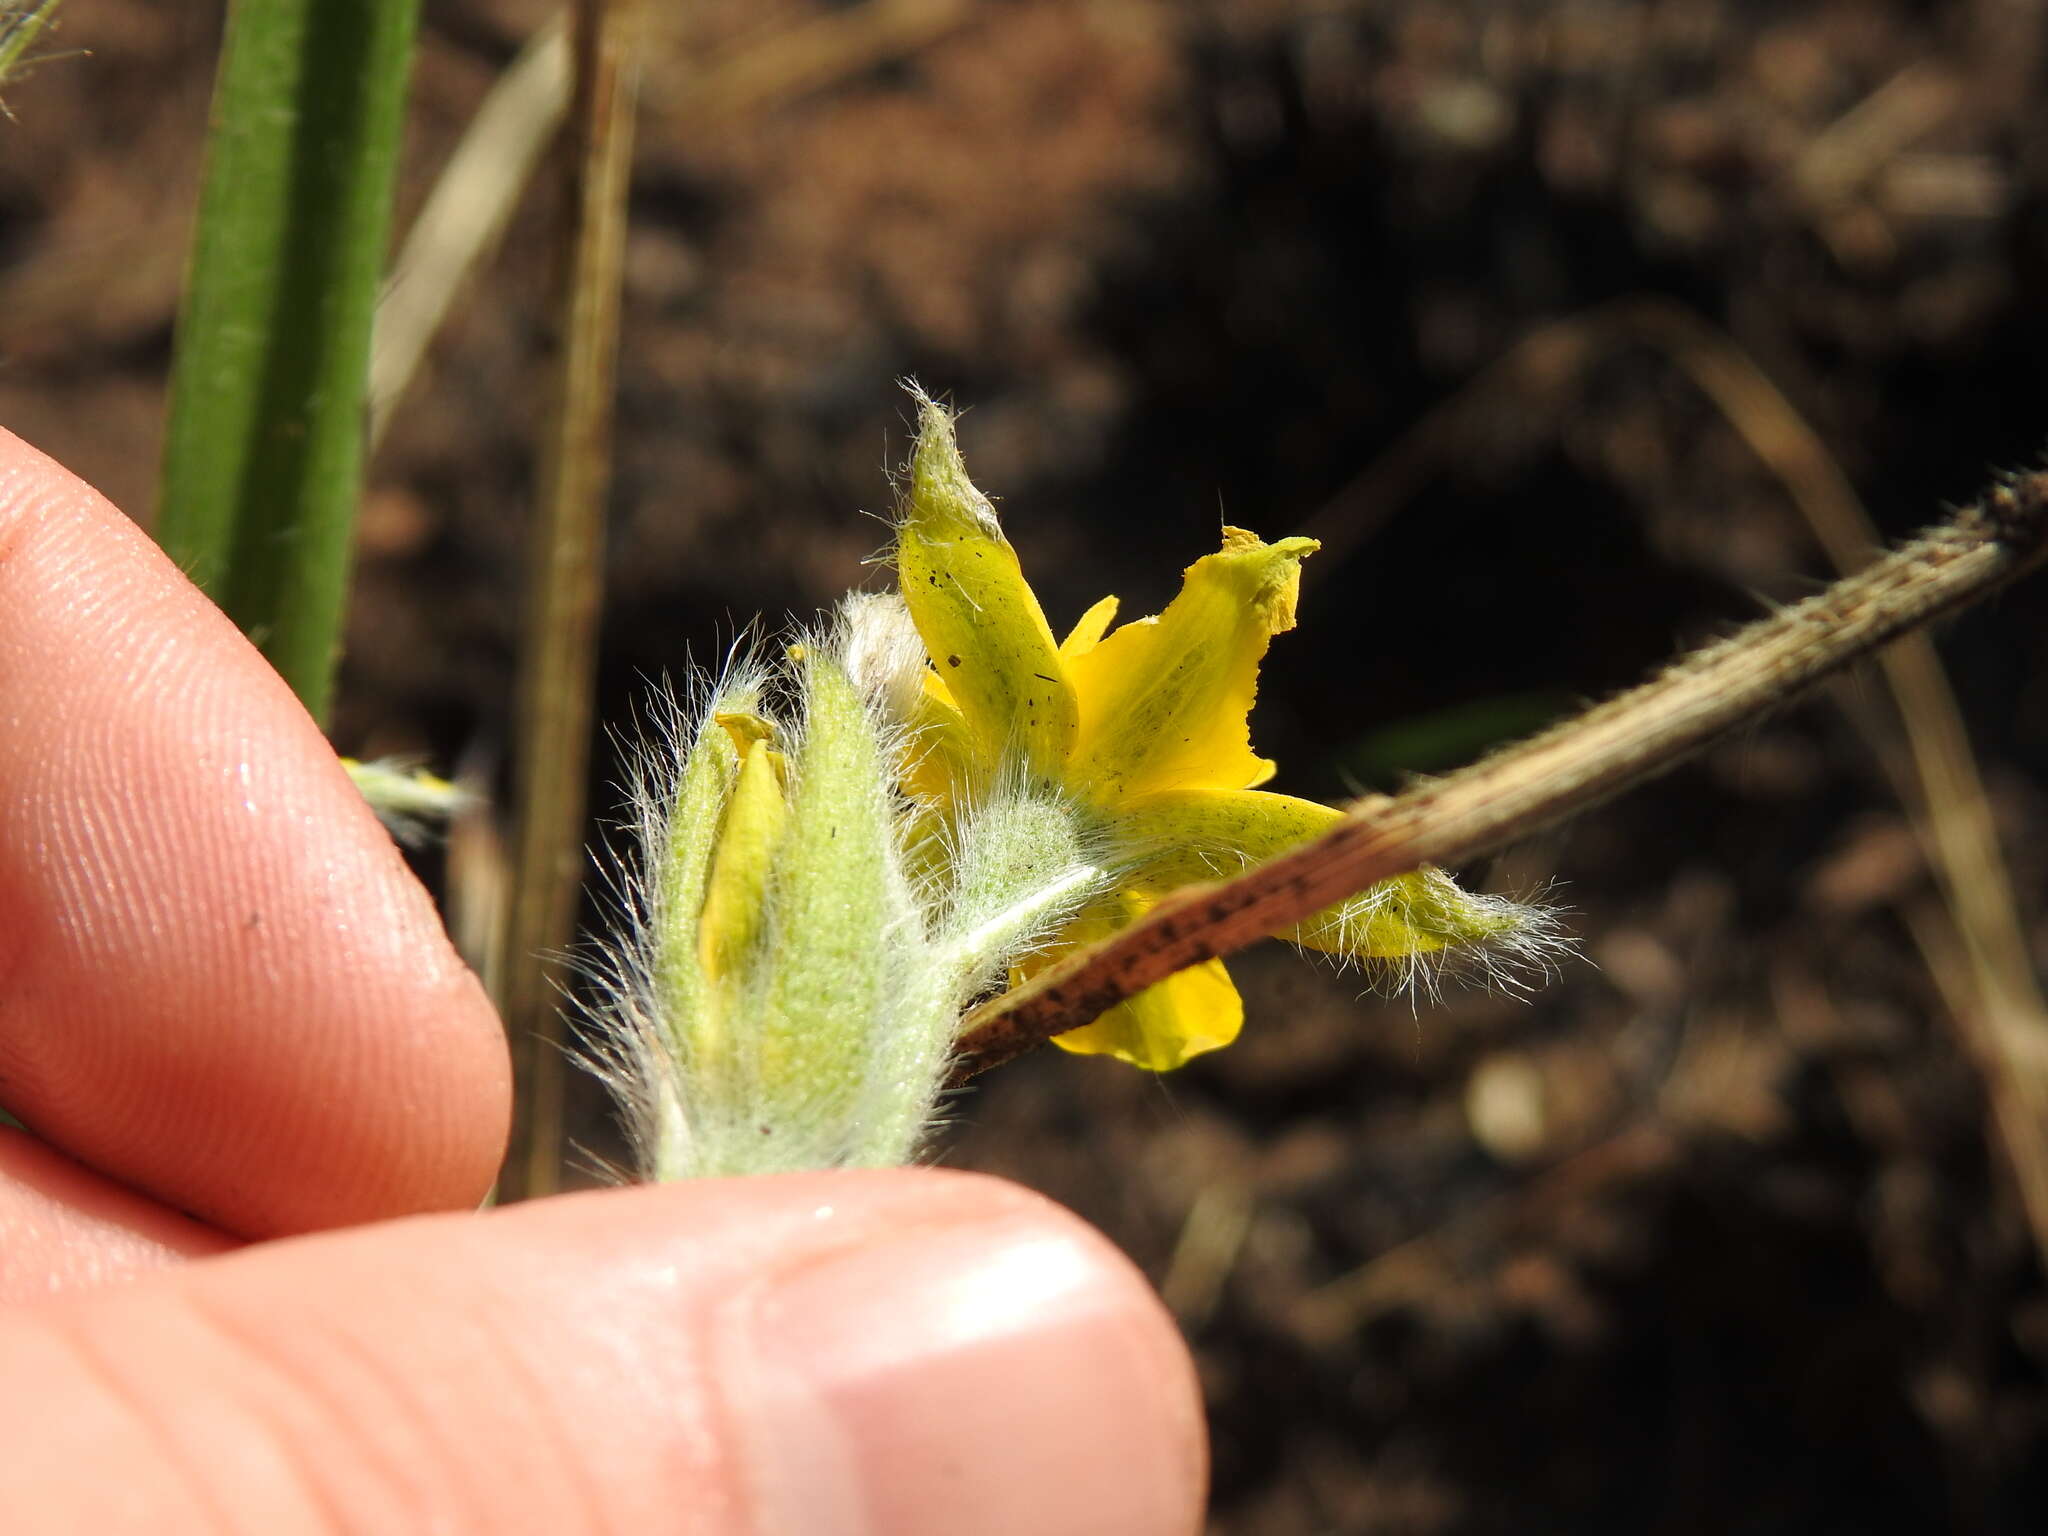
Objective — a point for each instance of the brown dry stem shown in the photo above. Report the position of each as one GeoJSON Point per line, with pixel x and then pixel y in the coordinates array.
{"type": "Point", "coordinates": [564, 592]}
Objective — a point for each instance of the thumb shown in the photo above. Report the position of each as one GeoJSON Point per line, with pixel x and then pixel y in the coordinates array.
{"type": "Point", "coordinates": [898, 1352]}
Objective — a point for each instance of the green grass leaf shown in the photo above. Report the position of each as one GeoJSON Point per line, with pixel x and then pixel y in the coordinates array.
{"type": "Point", "coordinates": [263, 460]}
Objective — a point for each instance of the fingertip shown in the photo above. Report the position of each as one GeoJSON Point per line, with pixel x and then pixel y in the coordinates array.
{"type": "Point", "coordinates": [884, 1354]}
{"type": "Point", "coordinates": [223, 985]}
{"type": "Point", "coordinates": [1000, 1369]}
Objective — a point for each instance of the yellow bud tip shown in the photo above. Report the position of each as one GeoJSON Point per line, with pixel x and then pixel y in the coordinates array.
{"type": "Point", "coordinates": [742, 862]}
{"type": "Point", "coordinates": [744, 727]}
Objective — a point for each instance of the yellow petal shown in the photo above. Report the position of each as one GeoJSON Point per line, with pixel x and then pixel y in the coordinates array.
{"type": "Point", "coordinates": [978, 618]}
{"type": "Point", "coordinates": [1165, 1025]}
{"type": "Point", "coordinates": [744, 727]}
{"type": "Point", "coordinates": [742, 862]}
{"type": "Point", "coordinates": [1087, 633]}
{"type": "Point", "coordinates": [1164, 701]}
{"type": "Point", "coordinates": [1180, 838]}
{"type": "Point", "coordinates": [940, 762]}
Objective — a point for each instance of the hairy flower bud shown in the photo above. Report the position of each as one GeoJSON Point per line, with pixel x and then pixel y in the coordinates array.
{"type": "Point", "coordinates": [779, 1008]}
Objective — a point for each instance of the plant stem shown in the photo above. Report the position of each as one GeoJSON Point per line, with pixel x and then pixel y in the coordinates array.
{"type": "Point", "coordinates": [264, 451]}
{"type": "Point", "coordinates": [1530, 785]}
{"type": "Point", "coordinates": [564, 591]}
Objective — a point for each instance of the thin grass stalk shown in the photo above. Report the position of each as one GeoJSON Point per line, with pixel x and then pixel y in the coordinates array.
{"type": "Point", "coordinates": [466, 213]}
{"type": "Point", "coordinates": [564, 591]}
{"type": "Point", "coordinates": [263, 457]}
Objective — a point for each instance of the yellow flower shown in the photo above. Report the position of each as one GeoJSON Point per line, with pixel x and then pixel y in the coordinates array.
{"type": "Point", "coordinates": [1142, 733]}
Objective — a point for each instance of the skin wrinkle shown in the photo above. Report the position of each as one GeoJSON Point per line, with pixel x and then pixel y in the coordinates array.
{"type": "Point", "coordinates": [729, 1351]}
{"type": "Point", "coordinates": [682, 1375]}
{"type": "Point", "coordinates": [309, 1459]}
{"type": "Point", "coordinates": [531, 1386]}
{"type": "Point", "coordinates": [274, 1368]}
{"type": "Point", "coordinates": [552, 1389]}
{"type": "Point", "coordinates": [418, 1426]}
{"type": "Point", "coordinates": [754, 1312]}
{"type": "Point", "coordinates": [730, 1334]}
{"type": "Point", "coordinates": [202, 1386]}
{"type": "Point", "coordinates": [565, 1351]}
{"type": "Point", "coordinates": [459, 1477]}
{"type": "Point", "coordinates": [309, 1393]}
{"type": "Point", "coordinates": [83, 1346]}
{"type": "Point", "coordinates": [673, 1278]}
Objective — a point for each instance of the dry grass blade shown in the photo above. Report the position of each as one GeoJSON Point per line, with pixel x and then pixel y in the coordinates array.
{"type": "Point", "coordinates": [1333, 1311]}
{"type": "Point", "coordinates": [467, 211]}
{"type": "Point", "coordinates": [1533, 784]}
{"type": "Point", "coordinates": [1211, 1238]}
{"type": "Point", "coordinates": [488, 174]}
{"type": "Point", "coordinates": [560, 633]}
{"type": "Point", "coordinates": [1537, 366]}
{"type": "Point", "coordinates": [812, 55]}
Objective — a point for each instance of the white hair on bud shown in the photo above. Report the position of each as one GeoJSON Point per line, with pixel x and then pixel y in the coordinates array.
{"type": "Point", "coordinates": [878, 645]}
{"type": "Point", "coordinates": [629, 1040]}
{"type": "Point", "coordinates": [1022, 865]}
{"type": "Point", "coordinates": [1510, 945]}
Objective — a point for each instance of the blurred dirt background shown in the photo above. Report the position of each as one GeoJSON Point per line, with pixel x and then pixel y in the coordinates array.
{"type": "Point", "coordinates": [1717, 1232]}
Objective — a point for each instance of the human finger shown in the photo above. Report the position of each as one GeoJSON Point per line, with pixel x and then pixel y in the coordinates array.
{"type": "Point", "coordinates": [813, 1355]}
{"type": "Point", "coordinates": [64, 1228]}
{"type": "Point", "coordinates": [218, 982]}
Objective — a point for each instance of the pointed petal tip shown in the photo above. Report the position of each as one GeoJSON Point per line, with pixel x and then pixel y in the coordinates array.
{"type": "Point", "coordinates": [1088, 631]}
{"type": "Point", "coordinates": [940, 501]}
{"type": "Point", "coordinates": [1237, 541]}
{"type": "Point", "coordinates": [1271, 573]}
{"type": "Point", "coordinates": [744, 725]}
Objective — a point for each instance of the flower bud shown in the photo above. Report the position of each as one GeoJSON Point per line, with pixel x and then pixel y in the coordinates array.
{"type": "Point", "coordinates": [782, 1007]}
